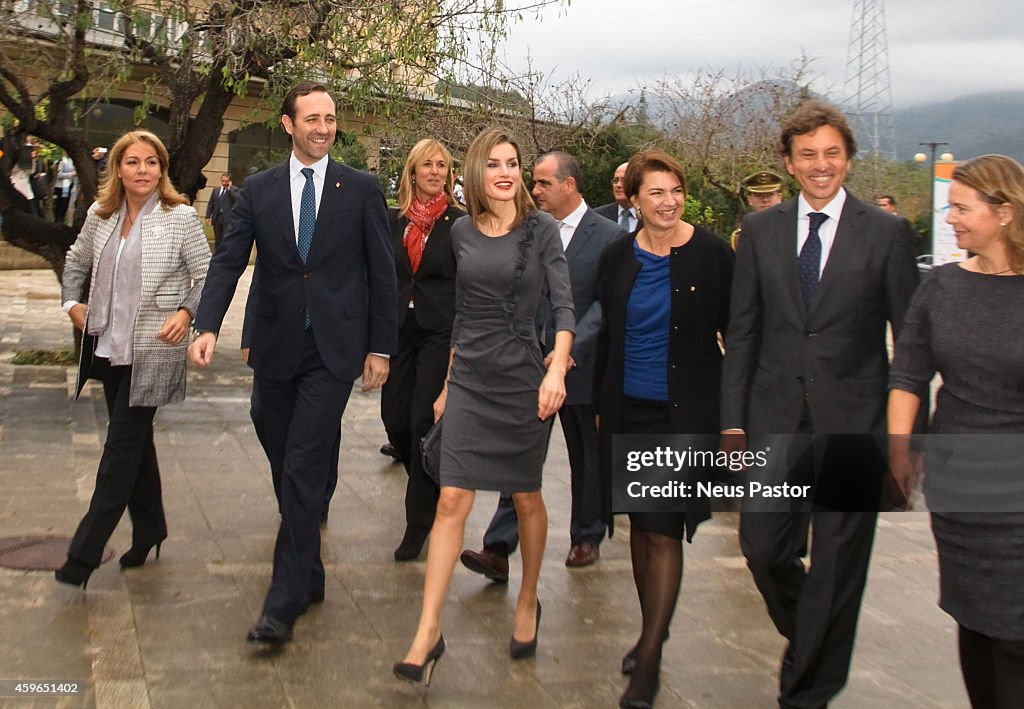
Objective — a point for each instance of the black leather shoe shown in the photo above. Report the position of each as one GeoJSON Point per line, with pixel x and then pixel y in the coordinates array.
{"type": "Point", "coordinates": [270, 631]}
{"type": "Point", "coordinates": [487, 563]}
{"type": "Point", "coordinates": [411, 546]}
{"type": "Point", "coordinates": [390, 451]}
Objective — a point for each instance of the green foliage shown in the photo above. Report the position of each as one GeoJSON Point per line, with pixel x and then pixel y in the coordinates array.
{"type": "Point", "coordinates": [60, 358]}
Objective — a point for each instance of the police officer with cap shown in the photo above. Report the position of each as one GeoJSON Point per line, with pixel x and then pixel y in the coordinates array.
{"type": "Point", "coordinates": [764, 190]}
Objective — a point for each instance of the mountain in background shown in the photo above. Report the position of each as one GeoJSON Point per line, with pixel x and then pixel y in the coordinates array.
{"type": "Point", "coordinates": [973, 125]}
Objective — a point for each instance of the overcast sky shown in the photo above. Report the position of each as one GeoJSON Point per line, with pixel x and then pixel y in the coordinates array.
{"type": "Point", "coordinates": [938, 49]}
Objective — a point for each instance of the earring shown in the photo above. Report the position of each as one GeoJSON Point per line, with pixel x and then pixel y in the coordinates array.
{"type": "Point", "coordinates": [1002, 223]}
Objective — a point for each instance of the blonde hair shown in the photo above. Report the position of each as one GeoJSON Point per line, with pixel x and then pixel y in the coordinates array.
{"type": "Point", "coordinates": [473, 176]}
{"type": "Point", "coordinates": [421, 151]}
{"type": "Point", "coordinates": [111, 192]}
{"type": "Point", "coordinates": [999, 180]}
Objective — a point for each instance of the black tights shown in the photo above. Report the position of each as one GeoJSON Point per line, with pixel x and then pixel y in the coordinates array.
{"type": "Point", "coordinates": [993, 670]}
{"type": "Point", "coordinates": [658, 573]}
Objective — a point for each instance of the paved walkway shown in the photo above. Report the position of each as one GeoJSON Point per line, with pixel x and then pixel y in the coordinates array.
{"type": "Point", "coordinates": [170, 635]}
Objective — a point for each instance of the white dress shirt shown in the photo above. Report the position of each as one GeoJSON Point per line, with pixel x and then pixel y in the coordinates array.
{"type": "Point", "coordinates": [297, 181]}
{"type": "Point", "coordinates": [826, 232]}
{"type": "Point", "coordinates": [567, 226]}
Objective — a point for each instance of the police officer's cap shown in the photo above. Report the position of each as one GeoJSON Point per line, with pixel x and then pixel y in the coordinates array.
{"type": "Point", "coordinates": [762, 182]}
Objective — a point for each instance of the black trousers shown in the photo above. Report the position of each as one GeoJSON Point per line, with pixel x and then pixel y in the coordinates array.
{"type": "Point", "coordinates": [128, 475]}
{"type": "Point", "coordinates": [306, 409]}
{"type": "Point", "coordinates": [218, 229]}
{"type": "Point", "coordinates": [264, 435]}
{"type": "Point", "coordinates": [816, 609]}
{"type": "Point", "coordinates": [415, 379]}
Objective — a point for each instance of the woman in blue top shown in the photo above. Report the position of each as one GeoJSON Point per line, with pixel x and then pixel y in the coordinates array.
{"type": "Point", "coordinates": [664, 292]}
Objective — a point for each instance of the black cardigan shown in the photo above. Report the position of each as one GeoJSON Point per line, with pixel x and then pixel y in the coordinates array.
{"type": "Point", "coordinates": [700, 273]}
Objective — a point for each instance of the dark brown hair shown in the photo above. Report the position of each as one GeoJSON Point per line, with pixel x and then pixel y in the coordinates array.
{"type": "Point", "coordinates": [650, 161]}
{"type": "Point", "coordinates": [809, 117]}
{"type": "Point", "coordinates": [303, 89]}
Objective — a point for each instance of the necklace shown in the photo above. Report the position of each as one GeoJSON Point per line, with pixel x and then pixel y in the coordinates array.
{"type": "Point", "coordinates": [998, 273]}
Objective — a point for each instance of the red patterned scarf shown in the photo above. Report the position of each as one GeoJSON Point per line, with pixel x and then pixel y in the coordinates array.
{"type": "Point", "coordinates": [421, 221]}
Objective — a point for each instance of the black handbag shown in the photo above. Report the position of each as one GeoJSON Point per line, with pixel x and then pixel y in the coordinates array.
{"type": "Point", "coordinates": [430, 449]}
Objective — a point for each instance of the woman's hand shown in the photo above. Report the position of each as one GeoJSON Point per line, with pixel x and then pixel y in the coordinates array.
{"type": "Point", "coordinates": [175, 327]}
{"type": "Point", "coordinates": [440, 402]}
{"type": "Point", "coordinates": [551, 394]}
{"type": "Point", "coordinates": [78, 313]}
{"type": "Point", "coordinates": [904, 467]}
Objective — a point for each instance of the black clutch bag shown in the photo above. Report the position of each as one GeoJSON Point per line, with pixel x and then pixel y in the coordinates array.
{"type": "Point", "coordinates": [430, 449]}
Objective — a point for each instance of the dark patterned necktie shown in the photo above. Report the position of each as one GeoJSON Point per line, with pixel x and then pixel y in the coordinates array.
{"type": "Point", "coordinates": [624, 219]}
{"type": "Point", "coordinates": [307, 214]}
{"type": "Point", "coordinates": [809, 261]}
{"type": "Point", "coordinates": [307, 220]}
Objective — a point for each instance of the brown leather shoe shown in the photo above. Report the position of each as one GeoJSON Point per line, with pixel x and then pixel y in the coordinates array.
{"type": "Point", "coordinates": [582, 555]}
{"type": "Point", "coordinates": [487, 563]}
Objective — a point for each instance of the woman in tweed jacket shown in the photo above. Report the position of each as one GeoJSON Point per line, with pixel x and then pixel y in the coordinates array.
{"type": "Point", "coordinates": [147, 254]}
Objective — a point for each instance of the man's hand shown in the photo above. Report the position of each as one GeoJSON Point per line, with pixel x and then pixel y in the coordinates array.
{"type": "Point", "coordinates": [78, 313]}
{"type": "Point", "coordinates": [245, 355]}
{"type": "Point", "coordinates": [175, 327]}
{"type": "Point", "coordinates": [201, 350]}
{"type": "Point", "coordinates": [733, 440]}
{"type": "Point", "coordinates": [375, 371]}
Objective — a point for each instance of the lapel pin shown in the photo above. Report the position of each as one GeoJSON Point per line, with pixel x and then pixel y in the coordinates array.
{"type": "Point", "coordinates": [337, 184]}
{"type": "Point", "coordinates": [693, 289]}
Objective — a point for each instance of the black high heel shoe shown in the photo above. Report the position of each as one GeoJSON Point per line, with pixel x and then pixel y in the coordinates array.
{"type": "Point", "coordinates": [74, 573]}
{"type": "Point", "coordinates": [136, 556]}
{"type": "Point", "coordinates": [638, 696]}
{"type": "Point", "coordinates": [421, 673]}
{"type": "Point", "coordinates": [520, 650]}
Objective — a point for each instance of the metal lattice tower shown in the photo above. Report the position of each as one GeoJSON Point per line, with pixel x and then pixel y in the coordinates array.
{"type": "Point", "coordinates": [868, 99]}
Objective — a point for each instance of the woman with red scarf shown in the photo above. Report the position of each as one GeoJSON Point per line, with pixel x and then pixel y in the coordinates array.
{"type": "Point", "coordinates": [425, 264]}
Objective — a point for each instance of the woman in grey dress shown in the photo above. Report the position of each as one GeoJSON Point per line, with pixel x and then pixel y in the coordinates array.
{"type": "Point", "coordinates": [966, 322]}
{"type": "Point", "coordinates": [500, 393]}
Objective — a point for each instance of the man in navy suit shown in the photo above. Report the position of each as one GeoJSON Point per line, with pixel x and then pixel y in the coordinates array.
{"type": "Point", "coordinates": [818, 280]}
{"type": "Point", "coordinates": [585, 235]}
{"type": "Point", "coordinates": [325, 314]}
{"type": "Point", "coordinates": [218, 209]}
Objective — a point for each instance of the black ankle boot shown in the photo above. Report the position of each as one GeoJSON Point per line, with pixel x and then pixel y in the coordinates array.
{"type": "Point", "coordinates": [74, 573]}
{"type": "Point", "coordinates": [136, 556]}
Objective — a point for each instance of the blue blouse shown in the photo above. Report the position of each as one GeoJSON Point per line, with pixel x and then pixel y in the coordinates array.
{"type": "Point", "coordinates": [647, 326]}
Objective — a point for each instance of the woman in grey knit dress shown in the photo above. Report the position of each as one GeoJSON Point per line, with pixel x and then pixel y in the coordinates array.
{"type": "Point", "coordinates": [966, 322]}
{"type": "Point", "coordinates": [501, 393]}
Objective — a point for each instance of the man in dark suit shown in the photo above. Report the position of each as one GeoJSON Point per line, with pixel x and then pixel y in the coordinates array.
{"type": "Point", "coordinates": [817, 279]}
{"type": "Point", "coordinates": [621, 211]}
{"type": "Point", "coordinates": [585, 235]}
{"type": "Point", "coordinates": [218, 209]}
{"type": "Point", "coordinates": [325, 313]}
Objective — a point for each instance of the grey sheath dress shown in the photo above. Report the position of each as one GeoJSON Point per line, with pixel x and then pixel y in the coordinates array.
{"type": "Point", "coordinates": [970, 328]}
{"type": "Point", "coordinates": [492, 438]}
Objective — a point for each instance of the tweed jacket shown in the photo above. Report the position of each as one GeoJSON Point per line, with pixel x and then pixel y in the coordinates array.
{"type": "Point", "coordinates": [175, 256]}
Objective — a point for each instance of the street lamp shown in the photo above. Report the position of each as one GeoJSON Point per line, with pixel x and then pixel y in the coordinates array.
{"type": "Point", "coordinates": [930, 159]}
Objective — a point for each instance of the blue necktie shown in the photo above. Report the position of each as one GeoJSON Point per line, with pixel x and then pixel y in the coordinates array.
{"type": "Point", "coordinates": [307, 214]}
{"type": "Point", "coordinates": [809, 261]}
{"type": "Point", "coordinates": [307, 221]}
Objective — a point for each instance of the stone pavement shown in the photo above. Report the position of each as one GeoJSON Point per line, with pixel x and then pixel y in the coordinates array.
{"type": "Point", "coordinates": [171, 634]}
